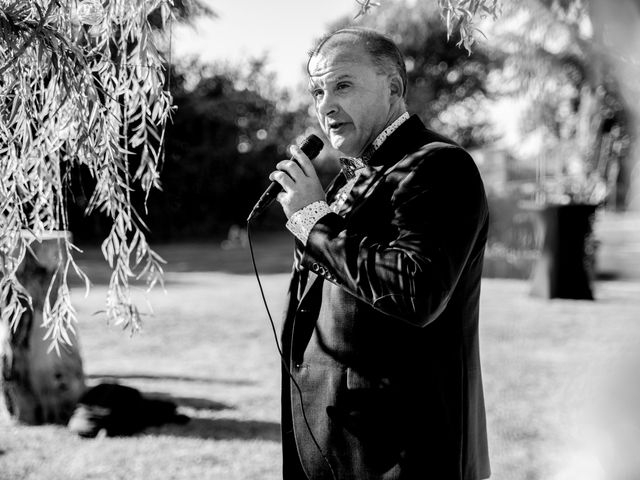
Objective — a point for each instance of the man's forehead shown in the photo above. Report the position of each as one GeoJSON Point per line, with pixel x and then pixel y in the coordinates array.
{"type": "Point", "coordinates": [339, 52]}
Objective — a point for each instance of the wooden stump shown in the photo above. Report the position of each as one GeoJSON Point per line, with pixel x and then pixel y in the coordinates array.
{"type": "Point", "coordinates": [39, 387]}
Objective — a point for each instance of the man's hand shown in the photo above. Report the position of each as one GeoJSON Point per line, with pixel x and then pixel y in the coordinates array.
{"type": "Point", "coordinates": [299, 181]}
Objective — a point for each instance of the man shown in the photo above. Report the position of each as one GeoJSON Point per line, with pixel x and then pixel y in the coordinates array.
{"type": "Point", "coordinates": [381, 329]}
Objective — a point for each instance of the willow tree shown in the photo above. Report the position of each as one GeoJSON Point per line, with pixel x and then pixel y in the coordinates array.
{"type": "Point", "coordinates": [82, 85]}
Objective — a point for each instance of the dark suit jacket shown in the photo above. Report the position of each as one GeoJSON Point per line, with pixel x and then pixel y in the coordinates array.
{"type": "Point", "coordinates": [381, 329]}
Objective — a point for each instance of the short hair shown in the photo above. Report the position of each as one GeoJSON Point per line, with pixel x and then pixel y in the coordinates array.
{"type": "Point", "coordinates": [384, 53]}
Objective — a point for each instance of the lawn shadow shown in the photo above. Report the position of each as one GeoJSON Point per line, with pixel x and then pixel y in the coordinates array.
{"type": "Point", "coordinates": [115, 377]}
{"type": "Point", "coordinates": [221, 429]}
{"type": "Point", "coordinates": [212, 428]}
{"type": "Point", "coordinates": [166, 414]}
{"type": "Point", "coordinates": [189, 402]}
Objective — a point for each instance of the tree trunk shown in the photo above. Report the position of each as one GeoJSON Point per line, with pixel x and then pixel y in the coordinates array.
{"type": "Point", "coordinates": [566, 265]}
{"type": "Point", "coordinates": [38, 387]}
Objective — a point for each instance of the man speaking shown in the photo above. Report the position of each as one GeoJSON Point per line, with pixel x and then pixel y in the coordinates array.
{"type": "Point", "coordinates": [381, 327]}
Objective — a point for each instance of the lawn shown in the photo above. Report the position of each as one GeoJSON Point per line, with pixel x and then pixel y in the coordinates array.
{"type": "Point", "coordinates": [209, 347]}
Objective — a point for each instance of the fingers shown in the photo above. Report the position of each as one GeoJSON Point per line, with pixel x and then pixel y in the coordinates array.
{"type": "Point", "coordinates": [283, 179]}
{"type": "Point", "coordinates": [291, 168]}
{"type": "Point", "coordinates": [303, 161]}
{"type": "Point", "coordinates": [298, 167]}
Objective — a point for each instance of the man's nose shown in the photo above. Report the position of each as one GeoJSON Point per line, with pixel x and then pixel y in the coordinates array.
{"type": "Point", "coordinates": [327, 105]}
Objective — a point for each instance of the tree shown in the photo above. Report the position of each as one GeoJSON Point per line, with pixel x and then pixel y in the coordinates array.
{"type": "Point", "coordinates": [82, 85]}
{"type": "Point", "coordinates": [573, 105]}
{"type": "Point", "coordinates": [229, 131]}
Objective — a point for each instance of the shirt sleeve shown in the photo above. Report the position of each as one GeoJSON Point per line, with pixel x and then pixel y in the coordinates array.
{"type": "Point", "coordinates": [302, 221]}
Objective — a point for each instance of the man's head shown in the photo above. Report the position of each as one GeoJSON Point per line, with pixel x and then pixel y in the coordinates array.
{"type": "Point", "coordinates": [357, 78]}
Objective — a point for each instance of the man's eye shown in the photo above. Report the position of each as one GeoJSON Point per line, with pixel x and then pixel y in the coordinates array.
{"type": "Point", "coordinates": [342, 86]}
{"type": "Point", "coordinates": [317, 93]}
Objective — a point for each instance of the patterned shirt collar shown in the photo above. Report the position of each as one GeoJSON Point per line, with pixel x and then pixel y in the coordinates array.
{"type": "Point", "coordinates": [350, 165]}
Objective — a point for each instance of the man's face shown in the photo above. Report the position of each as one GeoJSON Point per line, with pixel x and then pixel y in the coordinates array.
{"type": "Point", "coordinates": [352, 98]}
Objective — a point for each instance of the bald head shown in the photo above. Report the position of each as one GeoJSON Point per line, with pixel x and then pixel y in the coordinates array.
{"type": "Point", "coordinates": [378, 50]}
{"type": "Point", "coordinates": [356, 79]}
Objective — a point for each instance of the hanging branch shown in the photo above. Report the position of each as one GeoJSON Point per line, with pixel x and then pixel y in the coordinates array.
{"type": "Point", "coordinates": [459, 16]}
{"type": "Point", "coordinates": [365, 6]}
{"type": "Point", "coordinates": [81, 84]}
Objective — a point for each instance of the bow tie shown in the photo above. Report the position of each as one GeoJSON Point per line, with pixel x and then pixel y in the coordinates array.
{"type": "Point", "coordinates": [350, 166]}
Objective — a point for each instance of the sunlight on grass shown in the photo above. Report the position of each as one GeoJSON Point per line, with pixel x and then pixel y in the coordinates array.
{"type": "Point", "coordinates": [210, 349]}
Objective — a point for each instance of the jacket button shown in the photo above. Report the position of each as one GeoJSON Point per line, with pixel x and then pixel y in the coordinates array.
{"type": "Point", "coordinates": [315, 267]}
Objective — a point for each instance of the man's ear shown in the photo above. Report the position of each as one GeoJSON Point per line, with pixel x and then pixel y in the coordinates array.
{"type": "Point", "coordinates": [396, 86]}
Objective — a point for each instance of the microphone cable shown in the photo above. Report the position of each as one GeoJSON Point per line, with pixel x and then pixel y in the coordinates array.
{"type": "Point", "coordinates": [282, 359]}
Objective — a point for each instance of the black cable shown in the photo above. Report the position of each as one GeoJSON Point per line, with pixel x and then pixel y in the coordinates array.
{"type": "Point", "coordinates": [282, 359]}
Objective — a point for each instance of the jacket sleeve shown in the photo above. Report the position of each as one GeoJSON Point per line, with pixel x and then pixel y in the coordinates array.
{"type": "Point", "coordinates": [439, 214]}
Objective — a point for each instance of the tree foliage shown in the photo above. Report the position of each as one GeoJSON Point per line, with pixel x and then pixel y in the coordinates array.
{"type": "Point", "coordinates": [573, 101]}
{"type": "Point", "coordinates": [227, 134]}
{"type": "Point", "coordinates": [82, 85]}
{"type": "Point", "coordinates": [459, 16]}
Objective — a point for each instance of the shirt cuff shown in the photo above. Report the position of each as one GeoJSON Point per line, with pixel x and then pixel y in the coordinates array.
{"type": "Point", "coordinates": [302, 221]}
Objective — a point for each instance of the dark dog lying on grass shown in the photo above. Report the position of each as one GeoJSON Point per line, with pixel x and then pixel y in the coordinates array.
{"type": "Point", "coordinates": [120, 411]}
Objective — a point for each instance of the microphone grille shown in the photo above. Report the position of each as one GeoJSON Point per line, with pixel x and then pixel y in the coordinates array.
{"type": "Point", "coordinates": [311, 146]}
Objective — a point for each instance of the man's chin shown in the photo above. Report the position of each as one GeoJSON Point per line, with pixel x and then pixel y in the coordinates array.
{"type": "Point", "coordinates": [343, 146]}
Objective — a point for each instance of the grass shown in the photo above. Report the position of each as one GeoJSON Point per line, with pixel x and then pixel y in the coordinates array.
{"type": "Point", "coordinates": [210, 348]}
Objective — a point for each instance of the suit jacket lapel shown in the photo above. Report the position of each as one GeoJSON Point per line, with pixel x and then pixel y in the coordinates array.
{"type": "Point", "coordinates": [311, 279]}
{"type": "Point", "coordinates": [363, 187]}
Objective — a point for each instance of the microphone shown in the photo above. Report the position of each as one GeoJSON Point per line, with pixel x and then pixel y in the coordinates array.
{"type": "Point", "coordinates": [311, 147]}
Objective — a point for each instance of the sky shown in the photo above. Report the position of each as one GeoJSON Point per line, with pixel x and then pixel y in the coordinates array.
{"type": "Point", "coordinates": [284, 29]}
